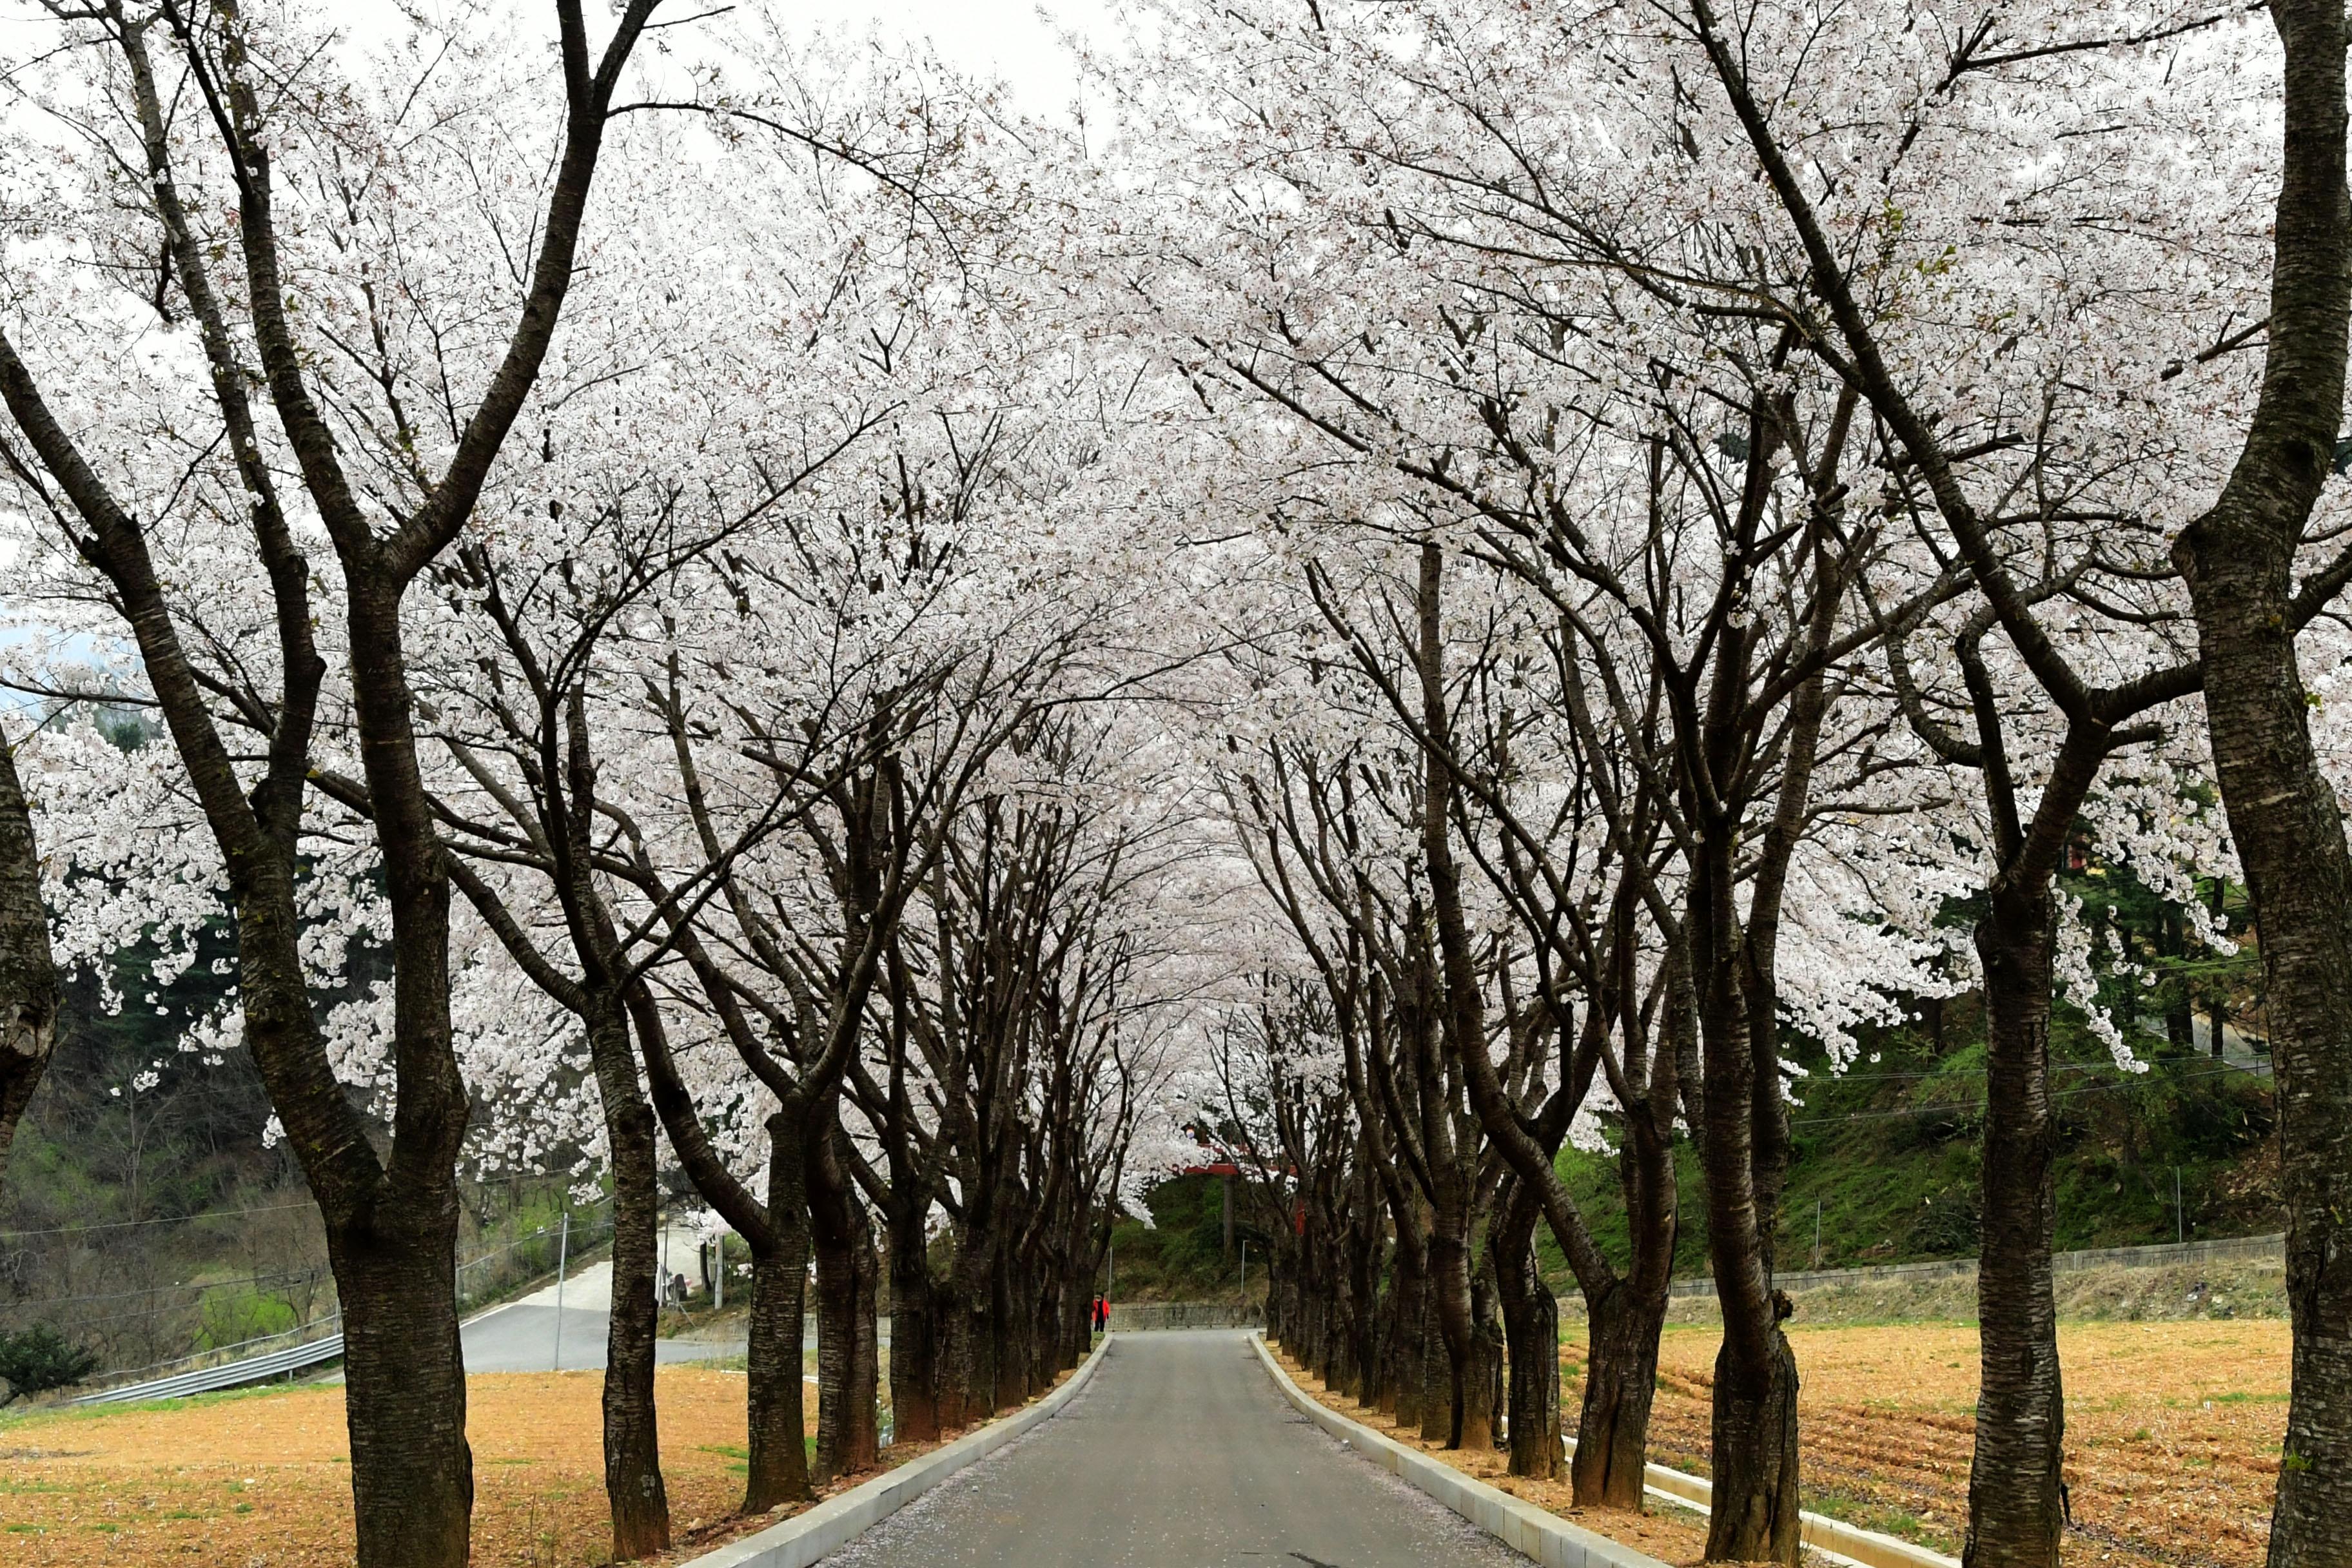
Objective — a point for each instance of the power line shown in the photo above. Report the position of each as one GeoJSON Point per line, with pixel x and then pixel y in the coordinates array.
{"type": "Point", "coordinates": [178, 1219]}
{"type": "Point", "coordinates": [159, 1289]}
{"type": "Point", "coordinates": [136, 1223]}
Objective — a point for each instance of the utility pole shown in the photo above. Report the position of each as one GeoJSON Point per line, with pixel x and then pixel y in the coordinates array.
{"type": "Point", "coordinates": [2180, 1223]}
{"type": "Point", "coordinates": [1244, 1271]}
{"type": "Point", "coordinates": [562, 1257]}
{"type": "Point", "coordinates": [1817, 1235]}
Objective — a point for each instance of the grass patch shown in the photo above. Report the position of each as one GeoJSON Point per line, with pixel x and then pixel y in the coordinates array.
{"type": "Point", "coordinates": [1865, 1514]}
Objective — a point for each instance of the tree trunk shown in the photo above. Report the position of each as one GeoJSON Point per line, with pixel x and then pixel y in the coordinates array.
{"type": "Point", "coordinates": [404, 1382]}
{"type": "Point", "coordinates": [1439, 1371]}
{"type": "Point", "coordinates": [2016, 1500]}
{"type": "Point", "coordinates": [1753, 1512]}
{"type": "Point", "coordinates": [1363, 1314]}
{"type": "Point", "coordinates": [1755, 1452]}
{"type": "Point", "coordinates": [1621, 1371]}
{"type": "Point", "coordinates": [28, 979]}
{"type": "Point", "coordinates": [1012, 1325]}
{"type": "Point", "coordinates": [836, 1349]}
{"type": "Point", "coordinates": [1531, 1337]}
{"type": "Point", "coordinates": [2217, 1001]}
{"type": "Point", "coordinates": [1621, 1376]}
{"type": "Point", "coordinates": [409, 1389]}
{"type": "Point", "coordinates": [2239, 560]}
{"type": "Point", "coordinates": [952, 1327]}
{"type": "Point", "coordinates": [633, 1478]}
{"type": "Point", "coordinates": [1481, 1421]}
{"type": "Point", "coordinates": [2179, 1022]}
{"type": "Point", "coordinates": [864, 1445]}
{"type": "Point", "coordinates": [1446, 1340]}
{"type": "Point", "coordinates": [848, 1439]}
{"type": "Point", "coordinates": [1401, 1377]}
{"type": "Point", "coordinates": [778, 1468]}
{"type": "Point", "coordinates": [975, 1329]}
{"type": "Point", "coordinates": [914, 1360]}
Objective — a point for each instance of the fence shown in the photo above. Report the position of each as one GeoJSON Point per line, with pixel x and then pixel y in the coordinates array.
{"type": "Point", "coordinates": [496, 1271]}
{"type": "Point", "coordinates": [2164, 1254]}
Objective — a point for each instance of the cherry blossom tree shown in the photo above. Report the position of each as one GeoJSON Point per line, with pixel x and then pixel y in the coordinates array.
{"type": "Point", "coordinates": [174, 109]}
{"type": "Point", "coordinates": [2240, 561]}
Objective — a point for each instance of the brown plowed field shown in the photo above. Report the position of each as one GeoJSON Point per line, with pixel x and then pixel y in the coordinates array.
{"type": "Point", "coordinates": [2172, 1444]}
{"type": "Point", "coordinates": [263, 1480]}
{"type": "Point", "coordinates": [1674, 1536]}
{"type": "Point", "coordinates": [2172, 1431]}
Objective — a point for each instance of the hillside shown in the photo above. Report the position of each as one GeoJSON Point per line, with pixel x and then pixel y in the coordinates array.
{"type": "Point", "coordinates": [146, 1217]}
{"type": "Point", "coordinates": [1887, 1157]}
{"type": "Point", "coordinates": [1181, 1255]}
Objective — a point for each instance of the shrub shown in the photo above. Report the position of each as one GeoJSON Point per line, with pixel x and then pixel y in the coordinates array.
{"type": "Point", "coordinates": [36, 1360]}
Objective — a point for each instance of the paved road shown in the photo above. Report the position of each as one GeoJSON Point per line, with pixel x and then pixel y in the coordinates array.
{"type": "Point", "coordinates": [521, 1335]}
{"type": "Point", "coordinates": [1177, 1454]}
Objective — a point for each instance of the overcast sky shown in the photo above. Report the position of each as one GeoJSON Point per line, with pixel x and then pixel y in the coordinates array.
{"type": "Point", "coordinates": [1019, 41]}
{"type": "Point", "coordinates": [1009, 39]}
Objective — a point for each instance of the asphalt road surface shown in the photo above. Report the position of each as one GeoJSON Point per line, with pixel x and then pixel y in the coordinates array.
{"type": "Point", "coordinates": [522, 1336]}
{"type": "Point", "coordinates": [1177, 1454]}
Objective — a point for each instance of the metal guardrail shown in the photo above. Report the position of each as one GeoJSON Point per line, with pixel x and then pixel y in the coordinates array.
{"type": "Point", "coordinates": [229, 1375]}
{"type": "Point", "coordinates": [292, 1358]}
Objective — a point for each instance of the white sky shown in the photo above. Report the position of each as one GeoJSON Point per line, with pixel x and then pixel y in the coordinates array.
{"type": "Point", "coordinates": [1019, 40]}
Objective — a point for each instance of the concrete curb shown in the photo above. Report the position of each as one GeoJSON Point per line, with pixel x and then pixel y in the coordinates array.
{"type": "Point", "coordinates": [1834, 1537]}
{"type": "Point", "coordinates": [833, 1524]}
{"type": "Point", "coordinates": [1521, 1526]}
{"type": "Point", "coordinates": [1552, 1541]}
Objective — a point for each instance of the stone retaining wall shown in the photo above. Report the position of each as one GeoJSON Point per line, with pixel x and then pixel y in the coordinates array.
{"type": "Point", "coordinates": [2244, 1248]}
{"type": "Point", "coordinates": [1144, 1316]}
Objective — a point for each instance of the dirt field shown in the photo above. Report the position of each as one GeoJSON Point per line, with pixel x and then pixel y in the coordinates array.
{"type": "Point", "coordinates": [2172, 1435]}
{"type": "Point", "coordinates": [263, 1480]}
{"type": "Point", "coordinates": [2172, 1446]}
{"type": "Point", "coordinates": [2172, 1431]}
{"type": "Point", "coordinates": [1673, 1535]}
